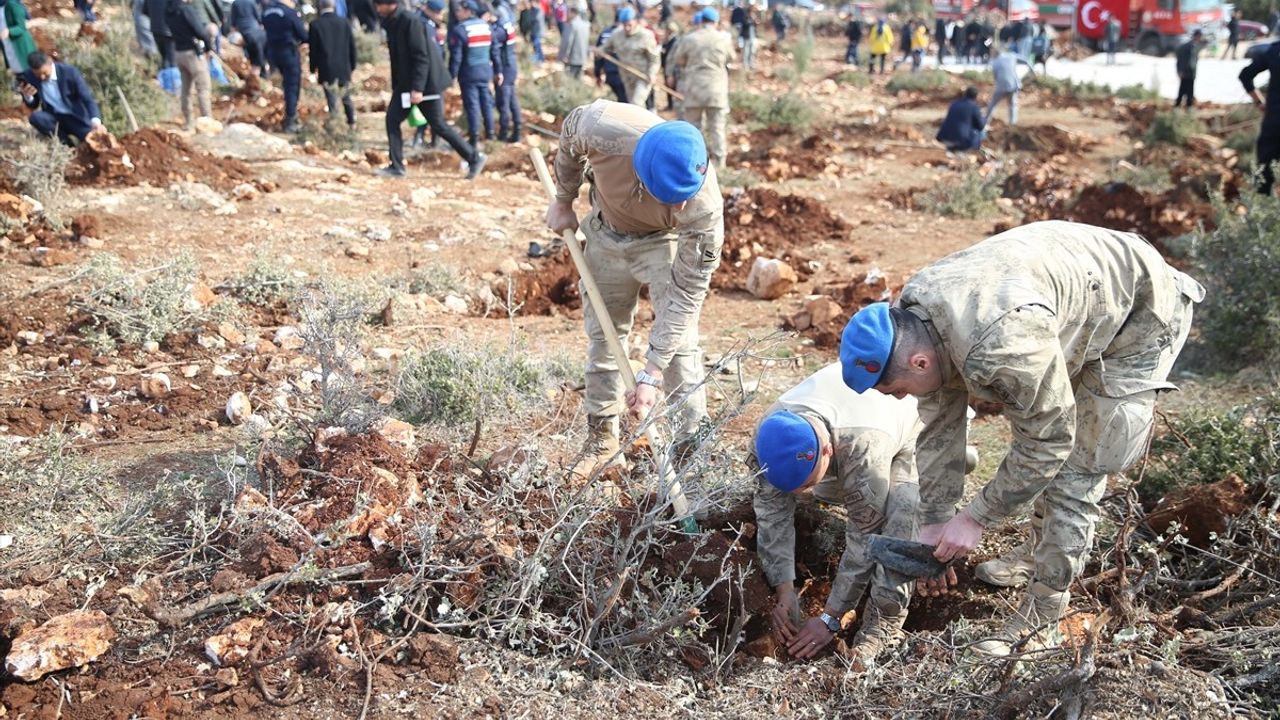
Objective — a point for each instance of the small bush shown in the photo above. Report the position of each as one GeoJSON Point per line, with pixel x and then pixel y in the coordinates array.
{"type": "Point", "coordinates": [113, 65]}
{"type": "Point", "coordinates": [1066, 87]}
{"type": "Point", "coordinates": [1239, 262]}
{"type": "Point", "coordinates": [264, 282]}
{"type": "Point", "coordinates": [802, 57]}
{"type": "Point", "coordinates": [1242, 142]}
{"type": "Point", "coordinates": [456, 385]}
{"type": "Point", "coordinates": [785, 112]}
{"type": "Point", "coordinates": [923, 81]}
{"type": "Point", "coordinates": [436, 280]}
{"type": "Point", "coordinates": [1173, 127]}
{"type": "Point", "coordinates": [1136, 92]}
{"type": "Point", "coordinates": [369, 48]}
{"type": "Point", "coordinates": [977, 76]}
{"type": "Point", "coordinates": [972, 196]}
{"type": "Point", "coordinates": [334, 316]}
{"type": "Point", "coordinates": [557, 94]}
{"type": "Point", "coordinates": [135, 306]}
{"type": "Point", "coordinates": [1205, 447]}
{"type": "Point", "coordinates": [1148, 178]}
{"type": "Point", "coordinates": [853, 78]}
{"type": "Point", "coordinates": [37, 166]}
{"type": "Point", "coordinates": [732, 177]}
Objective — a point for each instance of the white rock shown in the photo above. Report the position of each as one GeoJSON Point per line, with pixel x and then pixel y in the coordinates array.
{"type": "Point", "coordinates": [189, 371]}
{"type": "Point", "coordinates": [377, 233]}
{"type": "Point", "coordinates": [288, 338]}
{"type": "Point", "coordinates": [358, 251]}
{"type": "Point", "coordinates": [421, 197]}
{"type": "Point", "coordinates": [106, 383]}
{"type": "Point", "coordinates": [337, 232]}
{"type": "Point", "coordinates": [245, 142]}
{"type": "Point", "coordinates": [238, 408]}
{"type": "Point", "coordinates": [150, 346]}
{"type": "Point", "coordinates": [196, 196]}
{"type": "Point", "coordinates": [208, 126]}
{"type": "Point", "coordinates": [232, 644]}
{"type": "Point", "coordinates": [455, 304]}
{"type": "Point", "coordinates": [155, 386]}
{"type": "Point", "coordinates": [66, 641]}
{"type": "Point", "coordinates": [770, 278]}
{"type": "Point", "coordinates": [396, 431]}
{"type": "Point", "coordinates": [30, 337]}
{"type": "Point", "coordinates": [244, 191]}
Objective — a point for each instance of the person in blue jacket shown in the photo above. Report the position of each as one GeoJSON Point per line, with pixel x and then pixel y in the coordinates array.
{"type": "Point", "coordinates": [962, 129]}
{"type": "Point", "coordinates": [506, 37]}
{"type": "Point", "coordinates": [607, 72]}
{"type": "Point", "coordinates": [1265, 58]}
{"type": "Point", "coordinates": [285, 31]}
{"type": "Point", "coordinates": [474, 64]}
{"type": "Point", "coordinates": [64, 104]}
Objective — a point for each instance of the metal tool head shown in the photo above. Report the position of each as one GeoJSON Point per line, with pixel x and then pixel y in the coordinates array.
{"type": "Point", "coordinates": [905, 557]}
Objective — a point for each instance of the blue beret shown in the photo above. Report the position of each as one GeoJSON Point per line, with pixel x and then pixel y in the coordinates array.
{"type": "Point", "coordinates": [697, 18]}
{"type": "Point", "coordinates": [626, 13]}
{"type": "Point", "coordinates": [671, 160]}
{"type": "Point", "coordinates": [787, 450]}
{"type": "Point", "coordinates": [710, 15]}
{"type": "Point", "coordinates": [865, 346]}
{"type": "Point", "coordinates": [436, 5]}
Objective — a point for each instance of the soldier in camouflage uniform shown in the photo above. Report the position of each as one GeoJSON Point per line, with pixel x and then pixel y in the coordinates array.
{"type": "Point", "coordinates": [656, 219]}
{"type": "Point", "coordinates": [637, 48]}
{"type": "Point", "coordinates": [1074, 329]}
{"type": "Point", "coordinates": [701, 59]}
{"type": "Point", "coordinates": [857, 451]}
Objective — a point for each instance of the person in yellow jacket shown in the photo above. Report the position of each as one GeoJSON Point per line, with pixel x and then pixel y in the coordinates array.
{"type": "Point", "coordinates": [919, 44]}
{"type": "Point", "coordinates": [879, 44]}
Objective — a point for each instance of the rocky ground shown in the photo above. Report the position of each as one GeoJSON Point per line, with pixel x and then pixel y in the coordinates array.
{"type": "Point", "coordinates": [284, 439]}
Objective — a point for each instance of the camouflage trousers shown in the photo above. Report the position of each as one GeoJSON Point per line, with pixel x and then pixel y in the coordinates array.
{"type": "Point", "coordinates": [887, 510]}
{"type": "Point", "coordinates": [711, 121]}
{"type": "Point", "coordinates": [1115, 407]}
{"type": "Point", "coordinates": [621, 264]}
{"type": "Point", "coordinates": [638, 89]}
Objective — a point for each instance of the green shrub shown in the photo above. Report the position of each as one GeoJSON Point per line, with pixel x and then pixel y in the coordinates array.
{"type": "Point", "coordinates": [1239, 262]}
{"type": "Point", "coordinates": [134, 306]}
{"type": "Point", "coordinates": [923, 81]}
{"type": "Point", "coordinates": [436, 280]}
{"type": "Point", "coordinates": [264, 282]}
{"type": "Point", "coordinates": [971, 196]}
{"type": "Point", "coordinates": [557, 94]}
{"type": "Point", "coordinates": [1173, 127]}
{"type": "Point", "coordinates": [1205, 447]}
{"type": "Point", "coordinates": [784, 112]}
{"type": "Point", "coordinates": [852, 78]}
{"type": "Point", "coordinates": [1136, 92]}
{"type": "Point", "coordinates": [369, 47]}
{"type": "Point", "coordinates": [1148, 178]}
{"type": "Point", "coordinates": [1066, 87]}
{"type": "Point", "coordinates": [977, 76]}
{"type": "Point", "coordinates": [113, 65]}
{"type": "Point", "coordinates": [732, 177]}
{"type": "Point", "coordinates": [1242, 142]}
{"type": "Point", "coordinates": [456, 385]}
{"type": "Point", "coordinates": [37, 168]}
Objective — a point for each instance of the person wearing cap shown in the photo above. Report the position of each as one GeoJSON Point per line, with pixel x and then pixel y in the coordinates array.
{"type": "Point", "coordinates": [1074, 329]}
{"type": "Point", "coordinates": [575, 42]}
{"type": "Point", "coordinates": [848, 449]}
{"type": "Point", "coordinates": [418, 77]}
{"type": "Point", "coordinates": [701, 59]}
{"type": "Point", "coordinates": [474, 63]}
{"type": "Point", "coordinates": [606, 71]}
{"type": "Point", "coordinates": [637, 51]}
{"type": "Point", "coordinates": [656, 220]}
{"type": "Point", "coordinates": [332, 48]}
{"type": "Point", "coordinates": [507, 39]}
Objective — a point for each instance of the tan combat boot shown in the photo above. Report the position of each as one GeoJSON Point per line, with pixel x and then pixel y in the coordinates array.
{"type": "Point", "coordinates": [1037, 616]}
{"type": "Point", "coordinates": [880, 631]}
{"type": "Point", "coordinates": [1014, 568]}
{"type": "Point", "coordinates": [601, 447]}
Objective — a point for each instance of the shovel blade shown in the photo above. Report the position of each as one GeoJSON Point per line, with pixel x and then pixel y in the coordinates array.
{"type": "Point", "coordinates": [905, 557]}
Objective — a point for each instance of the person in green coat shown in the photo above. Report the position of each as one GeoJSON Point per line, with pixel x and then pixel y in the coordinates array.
{"type": "Point", "coordinates": [17, 41]}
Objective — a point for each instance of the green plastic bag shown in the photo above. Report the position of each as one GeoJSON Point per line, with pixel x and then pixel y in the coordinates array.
{"type": "Point", "coordinates": [416, 120]}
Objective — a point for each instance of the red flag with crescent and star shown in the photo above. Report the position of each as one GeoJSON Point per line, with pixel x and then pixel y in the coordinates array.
{"type": "Point", "coordinates": [1092, 17]}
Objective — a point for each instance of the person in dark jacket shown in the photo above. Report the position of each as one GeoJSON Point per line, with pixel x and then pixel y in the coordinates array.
{"type": "Point", "coordinates": [474, 63]}
{"type": "Point", "coordinates": [64, 104]}
{"type": "Point", "coordinates": [192, 49]}
{"type": "Point", "coordinates": [852, 33]}
{"type": "Point", "coordinates": [332, 46]}
{"type": "Point", "coordinates": [962, 128]}
{"type": "Point", "coordinates": [1188, 57]}
{"type": "Point", "coordinates": [246, 19]}
{"type": "Point", "coordinates": [363, 12]}
{"type": "Point", "coordinates": [507, 41]}
{"type": "Point", "coordinates": [1266, 59]}
{"type": "Point", "coordinates": [904, 43]}
{"type": "Point", "coordinates": [940, 35]}
{"type": "Point", "coordinates": [780, 23]}
{"type": "Point", "coordinates": [1233, 35]}
{"type": "Point", "coordinates": [285, 31]}
{"type": "Point", "coordinates": [155, 12]}
{"type": "Point", "coordinates": [606, 72]}
{"type": "Point", "coordinates": [418, 77]}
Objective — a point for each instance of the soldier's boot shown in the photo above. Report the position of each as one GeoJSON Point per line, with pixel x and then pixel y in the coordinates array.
{"type": "Point", "coordinates": [881, 630]}
{"type": "Point", "coordinates": [601, 447]}
{"type": "Point", "coordinates": [1014, 568]}
{"type": "Point", "coordinates": [1036, 620]}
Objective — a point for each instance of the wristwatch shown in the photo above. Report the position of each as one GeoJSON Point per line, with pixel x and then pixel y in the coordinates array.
{"type": "Point", "coordinates": [645, 378]}
{"type": "Point", "coordinates": [832, 623]}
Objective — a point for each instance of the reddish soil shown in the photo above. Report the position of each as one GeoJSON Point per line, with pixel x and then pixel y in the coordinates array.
{"type": "Point", "coordinates": [851, 296]}
{"type": "Point", "coordinates": [760, 222]}
{"type": "Point", "coordinates": [551, 287]}
{"type": "Point", "coordinates": [1120, 206]}
{"type": "Point", "coordinates": [160, 158]}
{"type": "Point", "coordinates": [1039, 139]}
{"type": "Point", "coordinates": [1202, 510]}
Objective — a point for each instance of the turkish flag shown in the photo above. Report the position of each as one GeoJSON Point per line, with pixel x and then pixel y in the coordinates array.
{"type": "Point", "coordinates": [1092, 16]}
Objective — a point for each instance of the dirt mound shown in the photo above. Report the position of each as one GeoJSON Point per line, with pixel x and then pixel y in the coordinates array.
{"type": "Point", "coordinates": [760, 222]}
{"type": "Point", "coordinates": [1040, 139]}
{"type": "Point", "coordinates": [1121, 206]}
{"type": "Point", "coordinates": [551, 287]}
{"type": "Point", "coordinates": [157, 158]}
{"type": "Point", "coordinates": [1202, 511]}
{"type": "Point", "coordinates": [826, 328]}
{"type": "Point", "coordinates": [773, 159]}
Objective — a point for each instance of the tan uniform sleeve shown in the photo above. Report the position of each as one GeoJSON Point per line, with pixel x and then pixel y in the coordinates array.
{"type": "Point", "coordinates": [775, 531]}
{"type": "Point", "coordinates": [653, 53]}
{"type": "Point", "coordinates": [700, 239]}
{"type": "Point", "coordinates": [940, 453]}
{"type": "Point", "coordinates": [1020, 360]}
{"type": "Point", "coordinates": [571, 160]}
{"type": "Point", "coordinates": [865, 466]}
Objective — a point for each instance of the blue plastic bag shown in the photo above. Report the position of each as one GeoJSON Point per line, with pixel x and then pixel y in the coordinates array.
{"type": "Point", "coordinates": [170, 80]}
{"type": "Point", "coordinates": [216, 73]}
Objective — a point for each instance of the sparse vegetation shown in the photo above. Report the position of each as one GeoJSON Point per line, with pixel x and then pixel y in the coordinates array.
{"type": "Point", "coordinates": [137, 305]}
{"type": "Point", "coordinates": [1173, 127]}
{"type": "Point", "coordinates": [1242, 141]}
{"type": "Point", "coordinates": [784, 112]}
{"type": "Point", "coordinates": [1147, 178]}
{"type": "Point", "coordinates": [369, 47]}
{"type": "Point", "coordinates": [923, 81]}
{"type": "Point", "coordinates": [971, 196]}
{"type": "Point", "coordinates": [556, 94]}
{"type": "Point", "coordinates": [737, 177]}
{"type": "Point", "coordinates": [266, 281]}
{"type": "Point", "coordinates": [853, 78]}
{"type": "Point", "coordinates": [434, 279]}
{"type": "Point", "coordinates": [801, 58]}
{"type": "Point", "coordinates": [37, 166]}
{"type": "Point", "coordinates": [454, 386]}
{"type": "Point", "coordinates": [1136, 92]}
{"type": "Point", "coordinates": [333, 318]}
{"type": "Point", "coordinates": [112, 65]}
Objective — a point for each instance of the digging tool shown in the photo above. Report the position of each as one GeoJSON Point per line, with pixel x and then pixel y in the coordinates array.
{"type": "Point", "coordinates": [128, 111]}
{"type": "Point", "coordinates": [904, 556]}
{"type": "Point", "coordinates": [667, 477]}
{"type": "Point", "coordinates": [637, 73]}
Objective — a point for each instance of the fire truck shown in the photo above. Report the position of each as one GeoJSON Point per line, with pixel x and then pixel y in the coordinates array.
{"type": "Point", "coordinates": [960, 9]}
{"type": "Point", "coordinates": [1153, 27]}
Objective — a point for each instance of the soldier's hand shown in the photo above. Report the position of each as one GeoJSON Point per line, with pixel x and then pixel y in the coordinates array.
{"type": "Point", "coordinates": [641, 399]}
{"type": "Point", "coordinates": [959, 536]}
{"type": "Point", "coordinates": [561, 217]}
{"type": "Point", "coordinates": [810, 640]}
{"type": "Point", "coordinates": [937, 586]}
{"type": "Point", "coordinates": [788, 606]}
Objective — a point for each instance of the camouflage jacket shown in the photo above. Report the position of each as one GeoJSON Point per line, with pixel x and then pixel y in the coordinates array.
{"type": "Point", "coordinates": [1018, 319]}
{"type": "Point", "coordinates": [701, 59]}
{"type": "Point", "coordinates": [639, 50]}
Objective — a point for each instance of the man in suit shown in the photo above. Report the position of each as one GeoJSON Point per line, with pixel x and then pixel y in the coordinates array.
{"type": "Point", "coordinates": [65, 103]}
{"type": "Point", "coordinates": [333, 58]}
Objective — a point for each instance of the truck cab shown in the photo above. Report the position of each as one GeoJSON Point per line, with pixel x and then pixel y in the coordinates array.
{"type": "Point", "coordinates": [1160, 26]}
